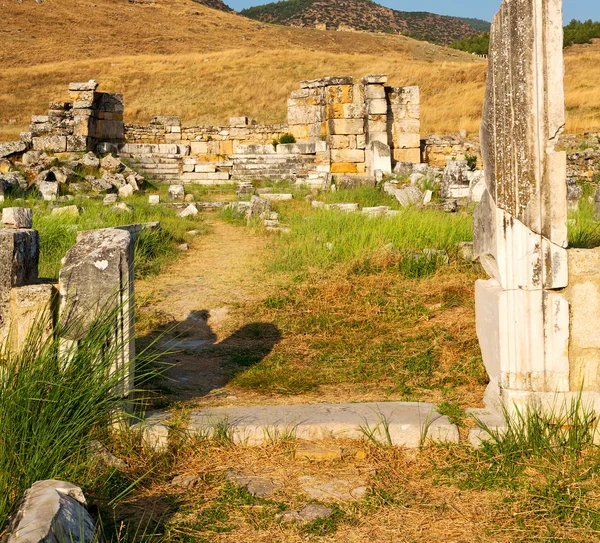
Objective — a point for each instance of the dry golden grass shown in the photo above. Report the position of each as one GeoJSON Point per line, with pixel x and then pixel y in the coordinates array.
{"type": "Point", "coordinates": [180, 58]}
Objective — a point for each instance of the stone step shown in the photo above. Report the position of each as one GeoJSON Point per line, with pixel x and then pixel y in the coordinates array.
{"type": "Point", "coordinates": [154, 160]}
{"type": "Point", "coordinates": [403, 424]}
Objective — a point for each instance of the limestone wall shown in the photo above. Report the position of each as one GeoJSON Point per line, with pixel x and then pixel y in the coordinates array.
{"type": "Point", "coordinates": [358, 120]}
{"type": "Point", "coordinates": [78, 125]}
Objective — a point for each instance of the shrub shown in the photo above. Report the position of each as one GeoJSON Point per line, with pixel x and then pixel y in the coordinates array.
{"type": "Point", "coordinates": [287, 138]}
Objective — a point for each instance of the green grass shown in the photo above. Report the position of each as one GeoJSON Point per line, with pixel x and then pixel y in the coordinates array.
{"type": "Point", "coordinates": [326, 238]}
{"type": "Point", "coordinates": [153, 248]}
{"type": "Point", "coordinates": [584, 231]}
{"type": "Point", "coordinates": [546, 467]}
{"type": "Point", "coordinates": [50, 409]}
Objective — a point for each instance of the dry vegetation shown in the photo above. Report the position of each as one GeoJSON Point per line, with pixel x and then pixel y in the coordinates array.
{"type": "Point", "coordinates": [181, 58]}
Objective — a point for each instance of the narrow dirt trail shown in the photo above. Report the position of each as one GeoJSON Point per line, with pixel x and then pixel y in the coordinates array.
{"type": "Point", "coordinates": [196, 298]}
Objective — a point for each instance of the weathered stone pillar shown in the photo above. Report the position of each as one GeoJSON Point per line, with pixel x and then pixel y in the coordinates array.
{"type": "Point", "coordinates": [521, 222]}
{"type": "Point", "coordinates": [404, 123]}
{"type": "Point", "coordinates": [19, 257]}
{"type": "Point", "coordinates": [97, 276]}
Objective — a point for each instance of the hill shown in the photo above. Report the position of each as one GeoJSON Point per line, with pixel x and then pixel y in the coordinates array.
{"type": "Point", "coordinates": [177, 57]}
{"type": "Point", "coordinates": [478, 24]}
{"type": "Point", "coordinates": [215, 4]}
{"type": "Point", "coordinates": [363, 15]}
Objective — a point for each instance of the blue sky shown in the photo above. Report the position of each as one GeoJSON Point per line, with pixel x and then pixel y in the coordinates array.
{"type": "Point", "coordinates": [481, 9]}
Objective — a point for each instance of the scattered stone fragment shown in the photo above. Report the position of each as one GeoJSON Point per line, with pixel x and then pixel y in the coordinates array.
{"type": "Point", "coordinates": [99, 186]}
{"type": "Point", "coordinates": [183, 247]}
{"type": "Point", "coordinates": [17, 217]}
{"type": "Point", "coordinates": [101, 456]}
{"type": "Point", "coordinates": [334, 489]}
{"type": "Point", "coordinates": [193, 233]}
{"type": "Point", "coordinates": [409, 196]}
{"type": "Point", "coordinates": [111, 164]}
{"type": "Point", "coordinates": [12, 148]}
{"type": "Point", "coordinates": [311, 451]}
{"type": "Point", "coordinates": [259, 207]}
{"type": "Point", "coordinates": [126, 191]}
{"type": "Point", "coordinates": [5, 166]}
{"type": "Point", "coordinates": [31, 157]}
{"type": "Point", "coordinates": [450, 206]}
{"type": "Point", "coordinates": [306, 515]}
{"type": "Point", "coordinates": [110, 199]}
{"type": "Point", "coordinates": [375, 211]}
{"type": "Point", "coordinates": [90, 160]}
{"type": "Point", "coordinates": [62, 174]}
{"type": "Point", "coordinates": [261, 487]}
{"type": "Point", "coordinates": [427, 197]}
{"type": "Point", "coordinates": [14, 180]}
{"type": "Point", "coordinates": [278, 197]}
{"type": "Point", "coordinates": [189, 211]}
{"type": "Point", "coordinates": [70, 211]}
{"type": "Point", "coordinates": [48, 190]}
{"type": "Point", "coordinates": [52, 511]}
{"type": "Point", "coordinates": [45, 175]}
{"type": "Point", "coordinates": [189, 198]}
{"type": "Point", "coordinates": [177, 193]}
{"type": "Point", "coordinates": [115, 180]}
{"type": "Point", "coordinates": [123, 207]}
{"type": "Point", "coordinates": [465, 249]}
{"type": "Point", "coordinates": [154, 199]}
{"type": "Point", "coordinates": [185, 481]}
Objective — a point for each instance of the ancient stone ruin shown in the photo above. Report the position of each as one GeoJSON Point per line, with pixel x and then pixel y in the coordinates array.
{"type": "Point", "coordinates": [537, 314]}
{"type": "Point", "coordinates": [340, 127]}
{"type": "Point", "coordinates": [97, 275]}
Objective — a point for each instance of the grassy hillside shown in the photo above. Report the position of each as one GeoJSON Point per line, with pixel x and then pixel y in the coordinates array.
{"type": "Point", "coordinates": [478, 24]}
{"type": "Point", "coordinates": [363, 15]}
{"type": "Point", "coordinates": [215, 4]}
{"type": "Point", "coordinates": [207, 65]}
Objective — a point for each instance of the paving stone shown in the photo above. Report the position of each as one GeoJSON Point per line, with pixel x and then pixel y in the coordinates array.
{"type": "Point", "coordinates": [334, 489]}
{"type": "Point", "coordinates": [407, 422]}
{"type": "Point", "coordinates": [185, 481]}
{"type": "Point", "coordinates": [306, 515]}
{"type": "Point", "coordinates": [261, 487]}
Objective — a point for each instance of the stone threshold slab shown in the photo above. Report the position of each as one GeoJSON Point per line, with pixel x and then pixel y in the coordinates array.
{"type": "Point", "coordinates": [403, 424]}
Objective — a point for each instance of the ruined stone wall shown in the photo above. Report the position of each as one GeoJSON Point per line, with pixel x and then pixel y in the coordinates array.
{"type": "Point", "coordinates": [367, 125]}
{"type": "Point", "coordinates": [438, 150]}
{"type": "Point", "coordinates": [212, 141]}
{"type": "Point", "coordinates": [78, 125]}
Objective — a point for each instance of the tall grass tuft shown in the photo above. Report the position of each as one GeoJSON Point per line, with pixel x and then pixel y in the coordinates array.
{"type": "Point", "coordinates": [50, 408]}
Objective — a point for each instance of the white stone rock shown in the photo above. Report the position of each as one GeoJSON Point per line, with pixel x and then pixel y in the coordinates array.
{"type": "Point", "coordinates": [177, 193]}
{"type": "Point", "coordinates": [154, 199]}
{"type": "Point", "coordinates": [189, 211]}
{"type": "Point", "coordinates": [17, 217]}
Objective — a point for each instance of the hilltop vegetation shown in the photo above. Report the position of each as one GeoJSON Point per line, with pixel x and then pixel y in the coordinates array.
{"type": "Point", "coordinates": [215, 4]}
{"type": "Point", "coordinates": [576, 32]}
{"type": "Point", "coordinates": [478, 24]}
{"type": "Point", "coordinates": [363, 15]}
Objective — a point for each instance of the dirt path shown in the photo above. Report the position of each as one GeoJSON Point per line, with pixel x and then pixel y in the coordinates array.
{"type": "Point", "coordinates": [197, 297]}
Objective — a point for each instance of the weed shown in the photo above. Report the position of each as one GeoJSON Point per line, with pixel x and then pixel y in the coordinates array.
{"type": "Point", "coordinates": [453, 411]}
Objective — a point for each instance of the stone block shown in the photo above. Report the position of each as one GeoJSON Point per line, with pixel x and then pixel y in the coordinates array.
{"type": "Point", "coordinates": [407, 155]}
{"type": "Point", "coordinates": [406, 140]}
{"type": "Point", "coordinates": [77, 144]}
{"type": "Point", "coordinates": [346, 126]}
{"type": "Point", "coordinates": [378, 158]}
{"type": "Point", "coordinates": [199, 147]}
{"type": "Point", "coordinates": [377, 106]}
{"type": "Point", "coordinates": [408, 423]}
{"type": "Point", "coordinates": [377, 79]}
{"type": "Point", "coordinates": [48, 190]}
{"type": "Point", "coordinates": [375, 92]}
{"type": "Point", "coordinates": [98, 277]}
{"type": "Point", "coordinates": [52, 511]}
{"type": "Point", "coordinates": [299, 131]}
{"type": "Point", "coordinates": [154, 199]}
{"type": "Point", "coordinates": [12, 148]}
{"type": "Point", "coordinates": [90, 85]}
{"type": "Point", "coordinates": [583, 295]}
{"type": "Point", "coordinates": [17, 217]}
{"type": "Point", "coordinates": [28, 305]}
{"type": "Point", "coordinates": [347, 155]}
{"type": "Point", "coordinates": [19, 258]}
{"type": "Point", "coordinates": [344, 167]}
{"type": "Point", "coordinates": [51, 144]}
{"type": "Point", "coordinates": [177, 193]}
